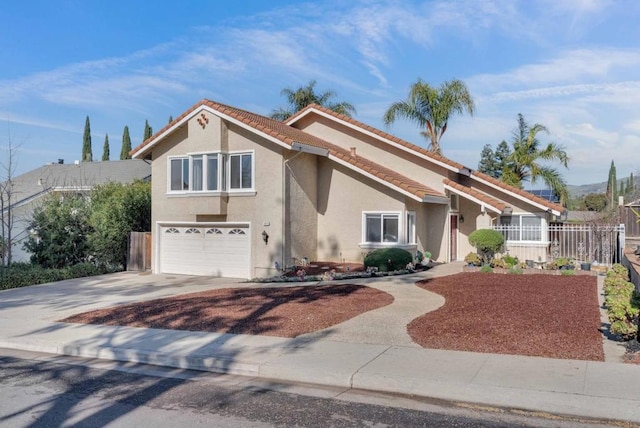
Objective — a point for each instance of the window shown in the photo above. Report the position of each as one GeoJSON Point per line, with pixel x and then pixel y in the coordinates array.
{"type": "Point", "coordinates": [411, 227]}
{"type": "Point", "coordinates": [207, 172]}
{"type": "Point", "coordinates": [240, 171]}
{"type": "Point", "coordinates": [521, 227]}
{"type": "Point", "coordinates": [382, 228]}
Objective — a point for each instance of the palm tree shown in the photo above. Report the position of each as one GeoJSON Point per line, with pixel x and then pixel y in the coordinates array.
{"type": "Point", "coordinates": [305, 95]}
{"type": "Point", "coordinates": [523, 162]}
{"type": "Point", "coordinates": [432, 107]}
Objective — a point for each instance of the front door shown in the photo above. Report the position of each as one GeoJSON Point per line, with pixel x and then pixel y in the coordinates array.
{"type": "Point", "coordinates": [453, 237]}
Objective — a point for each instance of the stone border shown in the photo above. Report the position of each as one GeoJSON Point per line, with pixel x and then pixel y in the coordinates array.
{"type": "Point", "coordinates": [534, 271]}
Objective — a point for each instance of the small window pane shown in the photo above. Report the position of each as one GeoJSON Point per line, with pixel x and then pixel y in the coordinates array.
{"type": "Point", "coordinates": [411, 228]}
{"type": "Point", "coordinates": [531, 228]}
{"type": "Point", "coordinates": [390, 228]}
{"type": "Point", "coordinates": [212, 172]}
{"type": "Point", "coordinates": [235, 172]}
{"type": "Point", "coordinates": [176, 174]}
{"type": "Point", "coordinates": [373, 228]}
{"type": "Point", "coordinates": [511, 227]}
{"type": "Point", "coordinates": [246, 171]}
{"type": "Point", "coordinates": [197, 173]}
{"type": "Point", "coordinates": [185, 174]}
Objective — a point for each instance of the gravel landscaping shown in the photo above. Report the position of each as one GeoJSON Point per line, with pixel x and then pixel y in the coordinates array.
{"type": "Point", "coordinates": [535, 315]}
{"type": "Point", "coordinates": [281, 312]}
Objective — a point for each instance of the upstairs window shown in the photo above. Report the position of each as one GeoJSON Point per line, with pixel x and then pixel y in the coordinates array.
{"type": "Point", "coordinates": [207, 172]}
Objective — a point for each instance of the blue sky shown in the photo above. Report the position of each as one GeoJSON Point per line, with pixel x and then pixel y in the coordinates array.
{"type": "Point", "coordinates": [571, 65]}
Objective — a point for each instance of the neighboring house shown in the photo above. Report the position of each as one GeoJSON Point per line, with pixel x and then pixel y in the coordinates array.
{"type": "Point", "coordinates": [29, 189]}
{"type": "Point", "coordinates": [235, 192]}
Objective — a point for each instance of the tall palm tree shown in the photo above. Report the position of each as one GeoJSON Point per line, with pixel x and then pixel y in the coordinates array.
{"type": "Point", "coordinates": [432, 107]}
{"type": "Point", "coordinates": [523, 162]}
{"type": "Point", "coordinates": [305, 95]}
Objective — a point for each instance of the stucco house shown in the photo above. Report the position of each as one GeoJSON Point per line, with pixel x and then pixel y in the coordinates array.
{"type": "Point", "coordinates": [235, 192]}
{"type": "Point", "coordinates": [28, 190]}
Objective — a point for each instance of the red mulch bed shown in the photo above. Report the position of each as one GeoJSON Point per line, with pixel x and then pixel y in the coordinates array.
{"type": "Point", "coordinates": [282, 312]}
{"type": "Point", "coordinates": [537, 315]}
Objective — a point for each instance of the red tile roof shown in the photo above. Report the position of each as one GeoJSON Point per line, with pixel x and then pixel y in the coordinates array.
{"type": "Point", "coordinates": [541, 201]}
{"type": "Point", "coordinates": [430, 154]}
{"type": "Point", "coordinates": [288, 135]}
{"type": "Point", "coordinates": [500, 206]}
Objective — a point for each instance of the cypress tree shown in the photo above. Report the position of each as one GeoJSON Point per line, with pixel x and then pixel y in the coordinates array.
{"type": "Point", "coordinates": [148, 131]}
{"type": "Point", "coordinates": [170, 119]}
{"type": "Point", "coordinates": [126, 144]}
{"type": "Point", "coordinates": [105, 148]}
{"type": "Point", "coordinates": [612, 186]}
{"type": "Point", "coordinates": [87, 155]}
{"type": "Point", "coordinates": [488, 164]}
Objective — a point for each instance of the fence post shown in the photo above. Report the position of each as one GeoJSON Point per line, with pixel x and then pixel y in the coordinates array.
{"type": "Point", "coordinates": [622, 239]}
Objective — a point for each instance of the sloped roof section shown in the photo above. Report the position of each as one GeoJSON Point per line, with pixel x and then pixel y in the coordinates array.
{"type": "Point", "coordinates": [84, 175]}
{"type": "Point", "coordinates": [288, 135]}
{"type": "Point", "coordinates": [429, 154]}
{"type": "Point", "coordinates": [497, 205]}
{"type": "Point", "coordinates": [523, 193]}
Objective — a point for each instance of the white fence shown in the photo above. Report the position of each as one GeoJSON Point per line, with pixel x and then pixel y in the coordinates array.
{"type": "Point", "coordinates": [603, 244]}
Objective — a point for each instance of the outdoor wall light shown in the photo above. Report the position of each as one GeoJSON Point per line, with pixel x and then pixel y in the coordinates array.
{"type": "Point", "coordinates": [265, 236]}
{"type": "Point", "coordinates": [461, 219]}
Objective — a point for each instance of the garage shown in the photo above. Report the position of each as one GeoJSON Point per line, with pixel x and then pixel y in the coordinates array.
{"type": "Point", "coordinates": [213, 250]}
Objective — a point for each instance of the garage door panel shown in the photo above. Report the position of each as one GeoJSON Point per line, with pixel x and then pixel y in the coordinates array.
{"type": "Point", "coordinates": [196, 250]}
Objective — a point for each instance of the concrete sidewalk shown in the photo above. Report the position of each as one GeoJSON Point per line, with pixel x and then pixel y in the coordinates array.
{"type": "Point", "coordinates": [330, 357]}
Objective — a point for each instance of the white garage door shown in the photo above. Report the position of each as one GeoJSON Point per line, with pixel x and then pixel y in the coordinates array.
{"type": "Point", "coordinates": [212, 250]}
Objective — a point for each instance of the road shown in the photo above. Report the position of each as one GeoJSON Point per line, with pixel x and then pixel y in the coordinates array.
{"type": "Point", "coordinates": [39, 390]}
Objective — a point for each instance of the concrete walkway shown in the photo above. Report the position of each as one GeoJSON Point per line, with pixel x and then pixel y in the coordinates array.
{"type": "Point", "coordinates": [351, 355]}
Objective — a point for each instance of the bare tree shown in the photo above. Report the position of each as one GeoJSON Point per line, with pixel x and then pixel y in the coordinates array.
{"type": "Point", "coordinates": [7, 199]}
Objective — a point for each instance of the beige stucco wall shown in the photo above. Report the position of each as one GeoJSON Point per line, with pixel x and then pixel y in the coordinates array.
{"type": "Point", "coordinates": [340, 210]}
{"type": "Point", "coordinates": [263, 210]}
{"type": "Point", "coordinates": [371, 148]}
{"type": "Point", "coordinates": [301, 221]}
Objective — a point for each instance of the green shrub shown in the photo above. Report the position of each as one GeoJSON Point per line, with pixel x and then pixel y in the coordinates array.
{"type": "Point", "coordinates": [473, 258]}
{"type": "Point", "coordinates": [622, 303]}
{"type": "Point", "coordinates": [486, 269]}
{"type": "Point", "coordinates": [510, 261]}
{"type": "Point", "coordinates": [487, 242]}
{"type": "Point", "coordinates": [567, 272]}
{"type": "Point", "coordinates": [515, 271]}
{"type": "Point", "coordinates": [23, 274]}
{"type": "Point", "coordinates": [388, 259]}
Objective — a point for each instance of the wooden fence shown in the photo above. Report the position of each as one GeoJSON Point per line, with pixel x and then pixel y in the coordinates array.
{"type": "Point", "coordinates": [630, 220]}
{"type": "Point", "coordinates": [139, 251]}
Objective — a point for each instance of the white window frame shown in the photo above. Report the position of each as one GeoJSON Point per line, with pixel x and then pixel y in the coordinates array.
{"type": "Point", "coordinates": [404, 241]}
{"type": "Point", "coordinates": [543, 229]}
{"type": "Point", "coordinates": [223, 174]}
{"type": "Point", "coordinates": [228, 157]}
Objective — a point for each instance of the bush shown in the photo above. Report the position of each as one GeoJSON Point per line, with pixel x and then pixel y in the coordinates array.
{"type": "Point", "coordinates": [567, 272]}
{"type": "Point", "coordinates": [499, 263]}
{"type": "Point", "coordinates": [388, 259]}
{"type": "Point", "coordinates": [510, 261]}
{"type": "Point", "coordinates": [486, 269]}
{"type": "Point", "coordinates": [515, 271]}
{"type": "Point", "coordinates": [487, 242]}
{"type": "Point", "coordinates": [473, 258]}
{"type": "Point", "coordinates": [23, 274]}
{"type": "Point", "coordinates": [622, 303]}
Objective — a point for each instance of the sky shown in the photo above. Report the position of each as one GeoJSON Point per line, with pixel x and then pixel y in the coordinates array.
{"type": "Point", "coordinates": [571, 65]}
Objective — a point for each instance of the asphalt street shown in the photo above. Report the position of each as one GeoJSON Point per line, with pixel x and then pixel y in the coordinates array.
{"type": "Point", "coordinates": [39, 390]}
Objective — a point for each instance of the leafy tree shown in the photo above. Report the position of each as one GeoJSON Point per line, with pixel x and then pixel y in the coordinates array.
{"type": "Point", "coordinates": [87, 155]}
{"type": "Point", "coordinates": [61, 229]}
{"type": "Point", "coordinates": [126, 144]}
{"type": "Point", "coordinates": [105, 148]}
{"type": "Point", "coordinates": [612, 186]}
{"type": "Point", "coordinates": [594, 202]}
{"type": "Point", "coordinates": [432, 107]}
{"type": "Point", "coordinates": [523, 162]}
{"type": "Point", "coordinates": [148, 131]}
{"type": "Point", "coordinates": [488, 164]}
{"type": "Point", "coordinates": [8, 194]}
{"type": "Point", "coordinates": [116, 210]}
{"type": "Point", "coordinates": [305, 95]}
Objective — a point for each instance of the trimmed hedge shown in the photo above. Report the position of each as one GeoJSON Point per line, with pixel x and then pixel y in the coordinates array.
{"type": "Point", "coordinates": [388, 259]}
{"type": "Point", "coordinates": [24, 274]}
{"type": "Point", "coordinates": [487, 242]}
